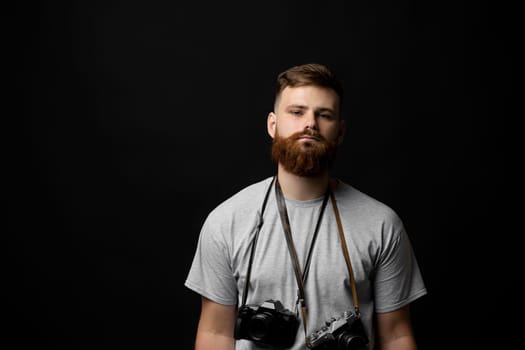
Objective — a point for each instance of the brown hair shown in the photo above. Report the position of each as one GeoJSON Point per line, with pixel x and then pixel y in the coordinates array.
{"type": "Point", "coordinates": [309, 74]}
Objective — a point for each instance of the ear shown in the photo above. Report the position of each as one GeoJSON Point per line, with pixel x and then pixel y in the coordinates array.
{"type": "Point", "coordinates": [271, 124]}
{"type": "Point", "coordinates": [342, 131]}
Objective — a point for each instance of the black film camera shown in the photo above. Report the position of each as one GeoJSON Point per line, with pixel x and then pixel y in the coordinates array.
{"type": "Point", "coordinates": [269, 323]}
{"type": "Point", "coordinates": [343, 333]}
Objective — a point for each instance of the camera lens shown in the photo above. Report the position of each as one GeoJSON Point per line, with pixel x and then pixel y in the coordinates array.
{"type": "Point", "coordinates": [260, 326]}
{"type": "Point", "coordinates": [351, 342]}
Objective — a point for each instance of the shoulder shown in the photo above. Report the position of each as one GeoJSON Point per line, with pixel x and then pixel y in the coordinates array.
{"type": "Point", "coordinates": [352, 201]}
{"type": "Point", "coordinates": [242, 203]}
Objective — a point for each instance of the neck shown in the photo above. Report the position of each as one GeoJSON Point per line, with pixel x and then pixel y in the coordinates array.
{"type": "Point", "coordinates": [302, 188]}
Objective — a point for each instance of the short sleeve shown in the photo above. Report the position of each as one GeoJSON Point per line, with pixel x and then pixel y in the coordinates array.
{"type": "Point", "coordinates": [210, 274]}
{"type": "Point", "coordinates": [397, 279]}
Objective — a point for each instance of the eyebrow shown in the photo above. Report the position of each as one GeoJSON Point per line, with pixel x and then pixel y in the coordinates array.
{"type": "Point", "coordinates": [320, 109]}
{"type": "Point", "coordinates": [296, 106]}
{"type": "Point", "coordinates": [324, 109]}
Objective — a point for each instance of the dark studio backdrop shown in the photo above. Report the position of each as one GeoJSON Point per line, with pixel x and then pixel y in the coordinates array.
{"type": "Point", "coordinates": [132, 120]}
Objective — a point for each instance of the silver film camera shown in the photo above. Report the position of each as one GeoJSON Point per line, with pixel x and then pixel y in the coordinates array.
{"type": "Point", "coordinates": [343, 333]}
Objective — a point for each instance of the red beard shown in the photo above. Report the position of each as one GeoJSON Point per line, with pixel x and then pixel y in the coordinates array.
{"type": "Point", "coordinates": [304, 158]}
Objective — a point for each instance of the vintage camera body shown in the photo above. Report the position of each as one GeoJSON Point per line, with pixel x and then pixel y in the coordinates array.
{"type": "Point", "coordinates": [269, 323]}
{"type": "Point", "coordinates": [343, 333]}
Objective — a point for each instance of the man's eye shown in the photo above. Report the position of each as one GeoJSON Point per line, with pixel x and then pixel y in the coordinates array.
{"type": "Point", "coordinates": [327, 116]}
{"type": "Point", "coordinates": [296, 112]}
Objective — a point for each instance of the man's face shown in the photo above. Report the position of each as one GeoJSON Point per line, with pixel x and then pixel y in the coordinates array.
{"type": "Point", "coordinates": [302, 107]}
{"type": "Point", "coordinates": [307, 128]}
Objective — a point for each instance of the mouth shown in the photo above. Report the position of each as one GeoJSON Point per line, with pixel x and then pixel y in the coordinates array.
{"type": "Point", "coordinates": [308, 138]}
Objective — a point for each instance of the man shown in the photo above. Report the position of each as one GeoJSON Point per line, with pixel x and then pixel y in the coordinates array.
{"type": "Point", "coordinates": [290, 254]}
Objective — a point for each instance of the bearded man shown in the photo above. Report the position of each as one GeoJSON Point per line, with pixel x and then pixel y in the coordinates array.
{"type": "Point", "coordinates": [303, 260]}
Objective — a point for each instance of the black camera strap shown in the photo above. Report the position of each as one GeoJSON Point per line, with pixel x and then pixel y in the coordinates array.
{"type": "Point", "coordinates": [254, 243]}
{"type": "Point", "coordinates": [291, 248]}
{"type": "Point", "coordinates": [300, 277]}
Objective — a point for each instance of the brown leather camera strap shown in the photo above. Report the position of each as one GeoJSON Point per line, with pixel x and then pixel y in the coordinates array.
{"type": "Point", "coordinates": [345, 254]}
{"type": "Point", "coordinates": [301, 278]}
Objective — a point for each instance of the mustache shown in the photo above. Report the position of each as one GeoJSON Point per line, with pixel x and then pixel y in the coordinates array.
{"type": "Point", "coordinates": [307, 133]}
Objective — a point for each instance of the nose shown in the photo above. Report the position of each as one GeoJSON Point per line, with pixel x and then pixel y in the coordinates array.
{"type": "Point", "coordinates": [310, 121]}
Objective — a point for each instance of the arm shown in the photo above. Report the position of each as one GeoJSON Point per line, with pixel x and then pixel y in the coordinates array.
{"type": "Point", "coordinates": [216, 325]}
{"type": "Point", "coordinates": [394, 330]}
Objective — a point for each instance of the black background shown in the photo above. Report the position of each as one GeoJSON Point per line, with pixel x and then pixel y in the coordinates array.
{"type": "Point", "coordinates": [128, 121]}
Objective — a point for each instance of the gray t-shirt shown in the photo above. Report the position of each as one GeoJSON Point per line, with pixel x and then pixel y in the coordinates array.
{"type": "Point", "coordinates": [384, 265]}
